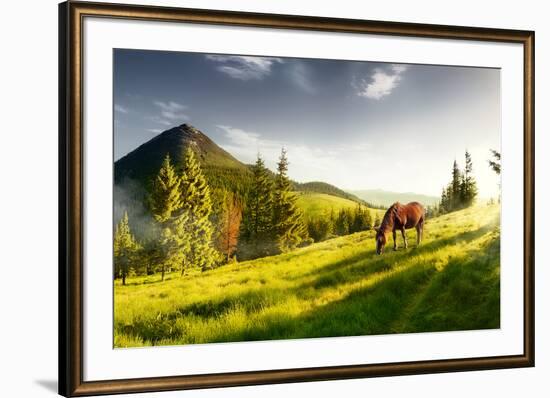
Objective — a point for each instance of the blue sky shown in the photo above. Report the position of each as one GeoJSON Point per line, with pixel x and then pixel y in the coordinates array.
{"type": "Point", "coordinates": [354, 124]}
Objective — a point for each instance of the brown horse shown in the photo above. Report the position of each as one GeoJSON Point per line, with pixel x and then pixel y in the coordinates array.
{"type": "Point", "coordinates": [400, 217]}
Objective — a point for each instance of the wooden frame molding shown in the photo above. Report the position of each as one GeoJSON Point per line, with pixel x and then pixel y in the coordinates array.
{"type": "Point", "coordinates": [71, 15]}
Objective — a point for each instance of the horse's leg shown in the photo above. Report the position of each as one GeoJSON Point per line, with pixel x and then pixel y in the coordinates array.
{"type": "Point", "coordinates": [418, 232]}
{"type": "Point", "coordinates": [404, 236]}
{"type": "Point", "coordinates": [394, 240]}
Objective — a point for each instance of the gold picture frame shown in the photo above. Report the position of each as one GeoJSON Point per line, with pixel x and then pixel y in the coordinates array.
{"type": "Point", "coordinates": [71, 238]}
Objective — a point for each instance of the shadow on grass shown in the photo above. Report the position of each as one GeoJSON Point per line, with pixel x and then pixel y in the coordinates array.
{"type": "Point", "coordinates": [465, 295]}
{"type": "Point", "coordinates": [366, 264]}
{"type": "Point", "coordinates": [250, 301]}
{"type": "Point", "coordinates": [414, 299]}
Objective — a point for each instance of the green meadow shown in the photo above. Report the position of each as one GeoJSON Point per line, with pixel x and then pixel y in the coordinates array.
{"type": "Point", "coordinates": [338, 287]}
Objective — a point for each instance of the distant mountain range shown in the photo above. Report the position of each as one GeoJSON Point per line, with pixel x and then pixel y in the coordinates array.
{"type": "Point", "coordinates": [387, 198]}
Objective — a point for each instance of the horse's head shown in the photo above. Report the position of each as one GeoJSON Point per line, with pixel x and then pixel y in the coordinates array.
{"type": "Point", "coordinates": [380, 240]}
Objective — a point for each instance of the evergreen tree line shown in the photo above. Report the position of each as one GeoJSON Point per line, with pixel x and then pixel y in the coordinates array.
{"type": "Point", "coordinates": [344, 222]}
{"type": "Point", "coordinates": [272, 222]}
{"type": "Point", "coordinates": [461, 192]}
{"type": "Point", "coordinates": [196, 227]}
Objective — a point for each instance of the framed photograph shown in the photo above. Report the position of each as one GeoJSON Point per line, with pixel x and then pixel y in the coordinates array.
{"type": "Point", "coordinates": [252, 199]}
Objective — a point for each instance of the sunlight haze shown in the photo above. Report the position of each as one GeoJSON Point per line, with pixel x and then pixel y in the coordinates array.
{"type": "Point", "coordinates": [356, 125]}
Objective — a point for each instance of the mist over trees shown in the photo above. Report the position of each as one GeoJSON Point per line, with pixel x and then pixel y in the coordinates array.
{"type": "Point", "coordinates": [189, 225]}
{"type": "Point", "coordinates": [185, 223]}
{"type": "Point", "coordinates": [186, 218]}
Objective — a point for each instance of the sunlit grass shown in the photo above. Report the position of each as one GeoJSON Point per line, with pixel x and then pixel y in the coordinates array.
{"type": "Point", "coordinates": [319, 204]}
{"type": "Point", "coordinates": [333, 288]}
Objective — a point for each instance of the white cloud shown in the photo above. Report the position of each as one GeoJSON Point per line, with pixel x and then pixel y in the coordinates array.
{"type": "Point", "coordinates": [244, 67]}
{"type": "Point", "coordinates": [171, 113]}
{"type": "Point", "coordinates": [172, 110]}
{"type": "Point", "coordinates": [155, 131]}
{"type": "Point", "coordinates": [307, 162]}
{"type": "Point", "coordinates": [382, 82]}
{"type": "Point", "coordinates": [120, 109]}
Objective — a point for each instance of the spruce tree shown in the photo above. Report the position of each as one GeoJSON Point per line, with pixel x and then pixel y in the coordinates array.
{"type": "Point", "coordinates": [258, 228]}
{"type": "Point", "coordinates": [462, 190]}
{"type": "Point", "coordinates": [319, 228]}
{"type": "Point", "coordinates": [165, 195]}
{"type": "Point", "coordinates": [455, 187]}
{"type": "Point", "coordinates": [166, 206]}
{"type": "Point", "coordinates": [343, 222]}
{"type": "Point", "coordinates": [197, 208]}
{"type": "Point", "coordinates": [468, 185]}
{"type": "Point", "coordinates": [176, 241]}
{"type": "Point", "coordinates": [362, 220]}
{"type": "Point", "coordinates": [451, 199]}
{"type": "Point", "coordinates": [444, 203]}
{"type": "Point", "coordinates": [125, 247]}
{"type": "Point", "coordinates": [290, 228]}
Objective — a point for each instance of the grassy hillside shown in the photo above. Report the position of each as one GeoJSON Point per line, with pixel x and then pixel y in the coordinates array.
{"type": "Point", "coordinates": [387, 198]}
{"type": "Point", "coordinates": [334, 288]}
{"type": "Point", "coordinates": [319, 204]}
{"type": "Point", "coordinates": [323, 187]}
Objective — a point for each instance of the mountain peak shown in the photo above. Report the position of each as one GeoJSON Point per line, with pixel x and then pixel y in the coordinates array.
{"type": "Point", "coordinates": [189, 128]}
{"type": "Point", "coordinates": [183, 130]}
{"type": "Point", "coordinates": [143, 162]}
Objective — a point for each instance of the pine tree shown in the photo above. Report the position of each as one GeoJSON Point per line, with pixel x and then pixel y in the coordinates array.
{"type": "Point", "coordinates": [320, 228]}
{"type": "Point", "coordinates": [166, 205]}
{"type": "Point", "coordinates": [290, 228]}
{"type": "Point", "coordinates": [257, 226]}
{"type": "Point", "coordinates": [455, 186]}
{"type": "Point", "coordinates": [343, 221]}
{"type": "Point", "coordinates": [444, 203]}
{"type": "Point", "coordinates": [468, 184]}
{"type": "Point", "coordinates": [230, 223]}
{"type": "Point", "coordinates": [451, 199]}
{"type": "Point", "coordinates": [151, 255]}
{"type": "Point", "coordinates": [175, 240]}
{"type": "Point", "coordinates": [462, 190]}
{"type": "Point", "coordinates": [362, 220]}
{"type": "Point", "coordinates": [165, 195]}
{"type": "Point", "coordinates": [195, 212]}
{"type": "Point", "coordinates": [125, 247]}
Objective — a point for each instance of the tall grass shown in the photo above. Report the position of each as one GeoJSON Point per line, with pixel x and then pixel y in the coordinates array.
{"type": "Point", "coordinates": [335, 288]}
